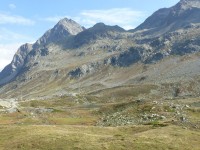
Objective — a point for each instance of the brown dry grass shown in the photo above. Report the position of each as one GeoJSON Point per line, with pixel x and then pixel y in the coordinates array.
{"type": "Point", "coordinates": [90, 137]}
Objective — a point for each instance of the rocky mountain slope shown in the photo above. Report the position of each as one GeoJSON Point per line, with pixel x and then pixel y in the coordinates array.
{"type": "Point", "coordinates": [70, 59]}
{"type": "Point", "coordinates": [61, 32]}
{"type": "Point", "coordinates": [10, 71]}
{"type": "Point", "coordinates": [182, 15]}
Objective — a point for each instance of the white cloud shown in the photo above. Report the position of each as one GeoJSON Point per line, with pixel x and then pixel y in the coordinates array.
{"type": "Point", "coordinates": [9, 43]}
{"type": "Point", "coordinates": [12, 6]}
{"type": "Point", "coordinates": [14, 19]}
{"type": "Point", "coordinates": [8, 36]}
{"type": "Point", "coordinates": [124, 17]}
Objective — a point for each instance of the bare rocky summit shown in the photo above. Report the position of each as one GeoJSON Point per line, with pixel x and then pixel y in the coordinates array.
{"type": "Point", "coordinates": [60, 32]}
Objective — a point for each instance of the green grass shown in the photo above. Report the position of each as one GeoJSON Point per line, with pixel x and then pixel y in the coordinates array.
{"type": "Point", "coordinates": [157, 123]}
{"type": "Point", "coordinates": [98, 138]}
{"type": "Point", "coordinates": [71, 125]}
{"type": "Point", "coordinates": [72, 121]}
{"type": "Point", "coordinates": [62, 101]}
{"type": "Point", "coordinates": [123, 93]}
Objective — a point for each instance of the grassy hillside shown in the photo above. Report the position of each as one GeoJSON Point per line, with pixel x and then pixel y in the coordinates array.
{"type": "Point", "coordinates": [117, 118]}
{"type": "Point", "coordinates": [88, 137]}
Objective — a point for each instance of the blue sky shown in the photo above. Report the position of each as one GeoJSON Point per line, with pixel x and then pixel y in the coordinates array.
{"type": "Point", "coordinates": [23, 21]}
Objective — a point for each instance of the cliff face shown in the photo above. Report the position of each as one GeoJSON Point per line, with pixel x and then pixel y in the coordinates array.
{"type": "Point", "coordinates": [11, 71]}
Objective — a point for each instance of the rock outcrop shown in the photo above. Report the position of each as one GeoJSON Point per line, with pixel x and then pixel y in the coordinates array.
{"type": "Point", "coordinates": [11, 71]}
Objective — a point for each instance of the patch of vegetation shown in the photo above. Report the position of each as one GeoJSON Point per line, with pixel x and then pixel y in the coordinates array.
{"type": "Point", "coordinates": [124, 92]}
{"type": "Point", "coordinates": [61, 101]}
{"type": "Point", "coordinates": [156, 123]}
{"type": "Point", "coordinates": [72, 121]}
{"type": "Point", "coordinates": [168, 108]}
{"type": "Point", "coordinates": [98, 138]}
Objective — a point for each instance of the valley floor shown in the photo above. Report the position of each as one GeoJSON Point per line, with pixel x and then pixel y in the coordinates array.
{"type": "Point", "coordinates": [115, 119]}
{"type": "Point", "coordinates": [51, 137]}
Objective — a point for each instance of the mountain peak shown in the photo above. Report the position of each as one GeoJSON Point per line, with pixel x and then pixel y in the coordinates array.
{"type": "Point", "coordinates": [104, 27]}
{"type": "Point", "coordinates": [65, 20]}
{"type": "Point", "coordinates": [61, 31]}
{"type": "Point", "coordinates": [99, 25]}
{"type": "Point", "coordinates": [69, 25]}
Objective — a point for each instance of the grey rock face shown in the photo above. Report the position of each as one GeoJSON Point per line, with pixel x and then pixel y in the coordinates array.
{"type": "Point", "coordinates": [10, 71]}
{"type": "Point", "coordinates": [154, 58]}
{"type": "Point", "coordinates": [185, 4]}
{"type": "Point", "coordinates": [127, 58]}
{"type": "Point", "coordinates": [124, 59]}
{"type": "Point", "coordinates": [85, 69]}
{"type": "Point", "coordinates": [60, 32]}
{"type": "Point", "coordinates": [186, 47]}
